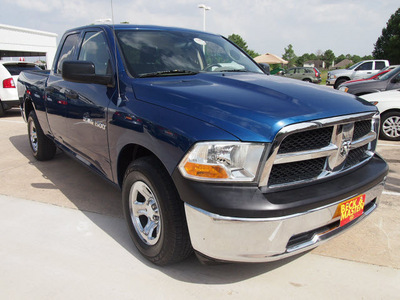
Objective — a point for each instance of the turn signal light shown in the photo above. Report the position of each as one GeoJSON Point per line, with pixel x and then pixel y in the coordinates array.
{"type": "Point", "coordinates": [8, 83]}
{"type": "Point", "coordinates": [205, 171]}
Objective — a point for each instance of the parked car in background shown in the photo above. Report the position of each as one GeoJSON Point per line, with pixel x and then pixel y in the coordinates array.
{"type": "Point", "coordinates": [388, 103]}
{"type": "Point", "coordinates": [9, 71]}
{"type": "Point", "coordinates": [376, 76]}
{"type": "Point", "coordinates": [308, 74]}
{"type": "Point", "coordinates": [360, 70]}
{"type": "Point", "coordinates": [389, 81]}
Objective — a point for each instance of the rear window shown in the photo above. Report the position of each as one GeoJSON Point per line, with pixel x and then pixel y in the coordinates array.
{"type": "Point", "coordinates": [15, 69]}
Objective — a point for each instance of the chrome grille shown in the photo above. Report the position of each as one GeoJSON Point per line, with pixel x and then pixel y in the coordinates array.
{"type": "Point", "coordinates": [306, 140]}
{"type": "Point", "coordinates": [315, 150]}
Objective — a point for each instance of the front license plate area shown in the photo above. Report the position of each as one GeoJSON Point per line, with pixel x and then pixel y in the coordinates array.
{"type": "Point", "coordinates": [351, 209]}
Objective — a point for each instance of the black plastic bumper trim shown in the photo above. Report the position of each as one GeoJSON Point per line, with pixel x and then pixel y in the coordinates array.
{"type": "Point", "coordinates": [246, 201]}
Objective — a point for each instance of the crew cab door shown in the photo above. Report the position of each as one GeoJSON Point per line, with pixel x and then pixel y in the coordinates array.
{"type": "Point", "coordinates": [364, 70]}
{"type": "Point", "coordinates": [87, 109]}
{"type": "Point", "coordinates": [55, 98]}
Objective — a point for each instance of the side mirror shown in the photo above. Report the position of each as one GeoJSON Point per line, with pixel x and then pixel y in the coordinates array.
{"type": "Point", "coordinates": [265, 67]}
{"type": "Point", "coordinates": [84, 72]}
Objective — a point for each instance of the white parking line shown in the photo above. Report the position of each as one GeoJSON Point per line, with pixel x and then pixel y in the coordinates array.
{"type": "Point", "coordinates": [391, 193]}
{"type": "Point", "coordinates": [12, 121]}
{"type": "Point", "coordinates": [389, 145]}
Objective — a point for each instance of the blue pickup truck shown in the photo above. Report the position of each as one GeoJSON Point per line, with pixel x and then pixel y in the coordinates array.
{"type": "Point", "coordinates": [212, 154]}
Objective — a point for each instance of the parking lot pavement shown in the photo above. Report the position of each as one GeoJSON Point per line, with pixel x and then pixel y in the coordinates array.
{"type": "Point", "coordinates": [62, 236]}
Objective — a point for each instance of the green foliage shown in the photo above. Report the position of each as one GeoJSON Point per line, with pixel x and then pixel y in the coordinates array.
{"type": "Point", "coordinates": [239, 41]}
{"type": "Point", "coordinates": [289, 56]}
{"type": "Point", "coordinates": [356, 58]}
{"type": "Point", "coordinates": [388, 44]}
{"type": "Point", "coordinates": [340, 58]}
{"type": "Point", "coordinates": [328, 57]}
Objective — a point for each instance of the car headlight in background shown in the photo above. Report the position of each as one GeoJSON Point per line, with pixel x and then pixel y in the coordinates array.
{"type": "Point", "coordinates": [222, 161]}
{"type": "Point", "coordinates": [343, 89]}
{"type": "Point", "coordinates": [374, 102]}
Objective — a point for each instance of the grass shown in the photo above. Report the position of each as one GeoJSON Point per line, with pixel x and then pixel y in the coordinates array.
{"type": "Point", "coordinates": [324, 74]}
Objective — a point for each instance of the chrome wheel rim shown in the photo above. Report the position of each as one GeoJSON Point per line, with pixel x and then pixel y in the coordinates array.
{"type": "Point", "coordinates": [145, 213]}
{"type": "Point", "coordinates": [391, 127]}
{"type": "Point", "coordinates": [33, 136]}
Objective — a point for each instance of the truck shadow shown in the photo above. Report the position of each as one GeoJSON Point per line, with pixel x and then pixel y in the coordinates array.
{"type": "Point", "coordinates": [96, 199]}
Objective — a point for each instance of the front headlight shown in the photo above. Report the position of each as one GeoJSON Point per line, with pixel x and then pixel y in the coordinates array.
{"type": "Point", "coordinates": [343, 89]}
{"type": "Point", "coordinates": [222, 161]}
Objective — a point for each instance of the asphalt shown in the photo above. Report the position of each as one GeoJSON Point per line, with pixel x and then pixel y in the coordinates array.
{"type": "Point", "coordinates": [62, 237]}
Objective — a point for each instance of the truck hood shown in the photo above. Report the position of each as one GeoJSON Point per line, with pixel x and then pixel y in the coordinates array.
{"type": "Point", "coordinates": [341, 72]}
{"type": "Point", "coordinates": [252, 107]}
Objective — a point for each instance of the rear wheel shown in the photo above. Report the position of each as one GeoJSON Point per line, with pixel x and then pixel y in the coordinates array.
{"type": "Point", "coordinates": [307, 80]}
{"type": "Point", "coordinates": [42, 147]}
{"type": "Point", "coordinates": [390, 126]}
{"type": "Point", "coordinates": [154, 213]}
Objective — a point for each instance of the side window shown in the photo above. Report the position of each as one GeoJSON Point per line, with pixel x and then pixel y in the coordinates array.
{"type": "Point", "coordinates": [291, 71]}
{"type": "Point", "coordinates": [67, 50]}
{"type": "Point", "coordinates": [379, 65]}
{"type": "Point", "coordinates": [365, 66]}
{"type": "Point", "coordinates": [95, 49]}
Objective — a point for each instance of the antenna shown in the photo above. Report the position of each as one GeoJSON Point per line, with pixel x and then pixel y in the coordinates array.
{"type": "Point", "coordinates": [119, 100]}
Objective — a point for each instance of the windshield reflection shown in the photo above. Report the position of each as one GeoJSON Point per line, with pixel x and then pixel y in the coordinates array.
{"type": "Point", "coordinates": [164, 53]}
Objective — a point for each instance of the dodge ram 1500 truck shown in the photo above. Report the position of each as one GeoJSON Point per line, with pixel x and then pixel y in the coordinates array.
{"type": "Point", "coordinates": [360, 70]}
{"type": "Point", "coordinates": [212, 154]}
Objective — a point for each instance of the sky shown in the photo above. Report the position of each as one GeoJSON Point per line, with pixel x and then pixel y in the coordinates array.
{"type": "Point", "coordinates": [268, 26]}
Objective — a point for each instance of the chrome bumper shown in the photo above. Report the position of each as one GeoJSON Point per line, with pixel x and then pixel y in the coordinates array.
{"type": "Point", "coordinates": [262, 240]}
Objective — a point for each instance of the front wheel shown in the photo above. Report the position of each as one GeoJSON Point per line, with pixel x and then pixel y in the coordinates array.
{"type": "Point", "coordinates": [154, 213]}
{"type": "Point", "coordinates": [339, 82]}
{"type": "Point", "coordinates": [390, 126]}
{"type": "Point", "coordinates": [42, 147]}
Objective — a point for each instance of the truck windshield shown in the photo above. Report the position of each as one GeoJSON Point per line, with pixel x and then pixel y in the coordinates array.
{"type": "Point", "coordinates": [354, 66]}
{"type": "Point", "coordinates": [166, 53]}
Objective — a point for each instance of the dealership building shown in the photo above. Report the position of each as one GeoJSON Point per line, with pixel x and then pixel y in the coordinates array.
{"type": "Point", "coordinates": [24, 42]}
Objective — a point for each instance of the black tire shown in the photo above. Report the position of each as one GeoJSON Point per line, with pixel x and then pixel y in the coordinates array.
{"type": "Point", "coordinates": [390, 126]}
{"type": "Point", "coordinates": [307, 80]}
{"type": "Point", "coordinates": [1, 110]}
{"type": "Point", "coordinates": [154, 213]}
{"type": "Point", "coordinates": [42, 147]}
{"type": "Point", "coordinates": [339, 82]}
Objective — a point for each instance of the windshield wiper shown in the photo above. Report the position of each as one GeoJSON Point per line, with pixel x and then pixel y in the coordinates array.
{"type": "Point", "coordinates": [170, 72]}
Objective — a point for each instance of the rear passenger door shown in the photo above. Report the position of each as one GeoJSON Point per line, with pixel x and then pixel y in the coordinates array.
{"type": "Point", "coordinates": [55, 97]}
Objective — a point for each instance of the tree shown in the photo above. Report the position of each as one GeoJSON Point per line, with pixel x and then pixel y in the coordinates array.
{"type": "Point", "coordinates": [388, 44]}
{"type": "Point", "coordinates": [289, 55]}
{"type": "Point", "coordinates": [239, 41]}
{"type": "Point", "coordinates": [340, 58]}
{"type": "Point", "coordinates": [328, 57]}
{"type": "Point", "coordinates": [356, 58]}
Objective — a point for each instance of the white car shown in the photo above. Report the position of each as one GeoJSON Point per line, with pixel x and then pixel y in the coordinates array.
{"type": "Point", "coordinates": [9, 71]}
{"type": "Point", "coordinates": [388, 103]}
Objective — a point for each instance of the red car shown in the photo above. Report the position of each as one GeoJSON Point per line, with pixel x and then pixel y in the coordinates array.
{"type": "Point", "coordinates": [376, 76]}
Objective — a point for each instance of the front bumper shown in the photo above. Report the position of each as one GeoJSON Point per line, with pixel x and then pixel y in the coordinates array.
{"type": "Point", "coordinates": [268, 239]}
{"type": "Point", "coordinates": [330, 81]}
{"type": "Point", "coordinates": [242, 224]}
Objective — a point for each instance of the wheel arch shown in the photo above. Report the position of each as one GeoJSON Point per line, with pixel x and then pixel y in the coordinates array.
{"type": "Point", "coordinates": [27, 107]}
{"type": "Point", "coordinates": [390, 111]}
{"type": "Point", "coordinates": [128, 154]}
